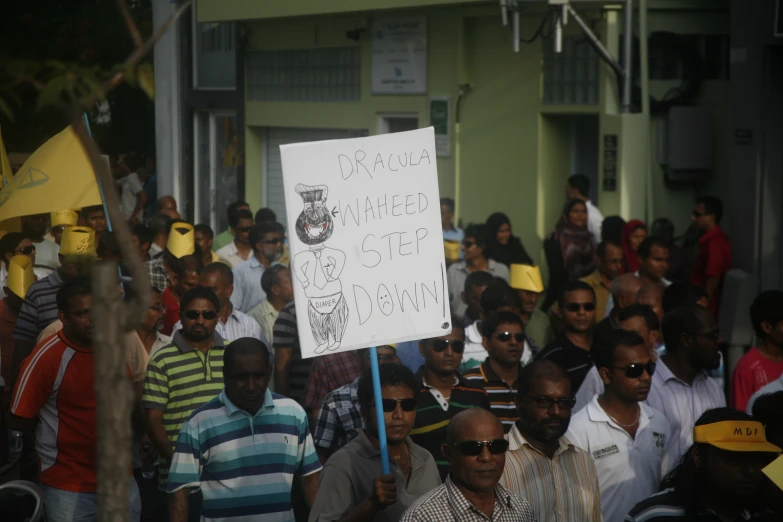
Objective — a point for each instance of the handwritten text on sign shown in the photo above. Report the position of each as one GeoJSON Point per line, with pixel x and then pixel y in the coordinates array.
{"type": "Point", "coordinates": [366, 246]}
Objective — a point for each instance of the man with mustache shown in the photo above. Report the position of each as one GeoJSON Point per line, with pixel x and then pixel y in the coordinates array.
{"type": "Point", "coordinates": [182, 377]}
{"type": "Point", "coordinates": [542, 465]}
{"type": "Point", "coordinates": [476, 453]}
{"type": "Point", "coordinates": [626, 438]}
{"type": "Point", "coordinates": [243, 448]}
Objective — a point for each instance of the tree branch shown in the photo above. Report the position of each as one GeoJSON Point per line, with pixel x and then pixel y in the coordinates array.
{"type": "Point", "coordinates": [138, 41]}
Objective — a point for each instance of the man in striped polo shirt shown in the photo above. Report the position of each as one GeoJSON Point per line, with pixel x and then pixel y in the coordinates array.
{"type": "Point", "coordinates": [183, 375]}
{"type": "Point", "coordinates": [244, 447]}
{"type": "Point", "coordinates": [443, 393]}
{"type": "Point", "coordinates": [503, 336]}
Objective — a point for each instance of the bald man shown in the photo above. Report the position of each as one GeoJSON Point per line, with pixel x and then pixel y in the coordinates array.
{"type": "Point", "coordinates": [542, 465]}
{"type": "Point", "coordinates": [167, 206]}
{"type": "Point", "coordinates": [476, 451]}
{"type": "Point", "coordinates": [623, 293]}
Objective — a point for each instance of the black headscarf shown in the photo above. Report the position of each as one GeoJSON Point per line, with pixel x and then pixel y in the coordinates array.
{"type": "Point", "coordinates": [511, 253]}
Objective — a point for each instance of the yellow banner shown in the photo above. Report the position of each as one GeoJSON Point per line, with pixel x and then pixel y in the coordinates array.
{"type": "Point", "coordinates": [5, 163]}
{"type": "Point", "coordinates": [57, 176]}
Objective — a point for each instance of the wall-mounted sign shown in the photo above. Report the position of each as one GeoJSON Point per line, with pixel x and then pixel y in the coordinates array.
{"type": "Point", "coordinates": [399, 55]}
{"type": "Point", "coordinates": [610, 162]}
{"type": "Point", "coordinates": [440, 119]}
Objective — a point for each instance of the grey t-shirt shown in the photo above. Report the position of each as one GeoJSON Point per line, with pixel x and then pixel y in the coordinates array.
{"type": "Point", "coordinates": [347, 478]}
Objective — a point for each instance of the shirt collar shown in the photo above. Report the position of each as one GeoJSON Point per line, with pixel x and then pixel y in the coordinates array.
{"type": "Point", "coordinates": [597, 414]}
{"type": "Point", "coordinates": [714, 231]}
{"type": "Point", "coordinates": [254, 263]}
{"type": "Point", "coordinates": [420, 375]}
{"type": "Point", "coordinates": [54, 278]}
{"type": "Point", "coordinates": [365, 449]}
{"type": "Point", "coordinates": [665, 374]}
{"type": "Point", "coordinates": [516, 442]}
{"type": "Point", "coordinates": [231, 408]}
{"type": "Point", "coordinates": [180, 342]}
{"type": "Point", "coordinates": [489, 374]}
{"type": "Point", "coordinates": [461, 505]}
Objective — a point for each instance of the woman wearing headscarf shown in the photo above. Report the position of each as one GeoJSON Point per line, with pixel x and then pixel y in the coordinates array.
{"type": "Point", "coordinates": [569, 249]}
{"type": "Point", "coordinates": [634, 232]}
{"type": "Point", "coordinates": [502, 246]}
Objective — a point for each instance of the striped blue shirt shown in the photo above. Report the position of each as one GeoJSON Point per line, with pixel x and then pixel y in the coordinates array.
{"type": "Point", "coordinates": [244, 464]}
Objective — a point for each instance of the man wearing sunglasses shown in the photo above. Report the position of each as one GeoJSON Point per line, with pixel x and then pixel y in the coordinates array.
{"type": "Point", "coordinates": [443, 393]}
{"type": "Point", "coordinates": [238, 251]}
{"type": "Point", "coordinates": [542, 465]}
{"type": "Point", "coordinates": [627, 439]}
{"type": "Point", "coordinates": [571, 349]}
{"type": "Point", "coordinates": [504, 340]}
{"type": "Point", "coordinates": [183, 376]}
{"type": "Point", "coordinates": [266, 240]}
{"type": "Point", "coordinates": [681, 387]}
{"type": "Point", "coordinates": [476, 453]}
{"type": "Point", "coordinates": [473, 248]}
{"type": "Point", "coordinates": [352, 486]}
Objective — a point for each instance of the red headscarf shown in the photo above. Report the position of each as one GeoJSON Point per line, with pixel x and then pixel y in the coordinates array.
{"type": "Point", "coordinates": [631, 258]}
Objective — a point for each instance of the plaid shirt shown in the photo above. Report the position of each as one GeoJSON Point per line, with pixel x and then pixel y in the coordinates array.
{"type": "Point", "coordinates": [159, 278]}
{"type": "Point", "coordinates": [339, 419]}
{"type": "Point", "coordinates": [329, 373]}
{"type": "Point", "coordinates": [446, 502]}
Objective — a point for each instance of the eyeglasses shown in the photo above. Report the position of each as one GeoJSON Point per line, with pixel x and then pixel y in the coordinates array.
{"type": "Point", "coordinates": [711, 336]}
{"type": "Point", "coordinates": [440, 345]}
{"type": "Point", "coordinates": [574, 307]}
{"type": "Point", "coordinates": [505, 337]}
{"type": "Point", "coordinates": [244, 229]}
{"type": "Point", "coordinates": [468, 244]}
{"type": "Point", "coordinates": [566, 403]}
{"type": "Point", "coordinates": [634, 371]}
{"type": "Point", "coordinates": [208, 315]}
{"type": "Point", "coordinates": [81, 314]}
{"type": "Point", "coordinates": [30, 249]}
{"type": "Point", "coordinates": [275, 241]}
{"type": "Point", "coordinates": [473, 448]}
{"type": "Point", "coordinates": [389, 405]}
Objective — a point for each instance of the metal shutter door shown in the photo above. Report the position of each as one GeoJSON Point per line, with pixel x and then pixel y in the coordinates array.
{"type": "Point", "coordinates": [274, 171]}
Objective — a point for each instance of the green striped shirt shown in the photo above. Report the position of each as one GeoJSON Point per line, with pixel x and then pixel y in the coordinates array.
{"type": "Point", "coordinates": [180, 379]}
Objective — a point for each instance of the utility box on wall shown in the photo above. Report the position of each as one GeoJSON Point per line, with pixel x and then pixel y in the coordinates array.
{"type": "Point", "coordinates": [689, 144]}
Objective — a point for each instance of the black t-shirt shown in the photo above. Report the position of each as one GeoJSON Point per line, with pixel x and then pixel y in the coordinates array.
{"type": "Point", "coordinates": [574, 360]}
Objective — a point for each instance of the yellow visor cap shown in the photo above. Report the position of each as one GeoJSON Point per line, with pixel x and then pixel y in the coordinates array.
{"type": "Point", "coordinates": [64, 217]}
{"type": "Point", "coordinates": [182, 240]}
{"type": "Point", "coordinates": [20, 275]}
{"type": "Point", "coordinates": [78, 241]}
{"type": "Point", "coordinates": [526, 277]}
{"type": "Point", "coordinates": [735, 436]}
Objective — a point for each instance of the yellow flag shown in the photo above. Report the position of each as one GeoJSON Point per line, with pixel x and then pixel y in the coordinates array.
{"type": "Point", "coordinates": [57, 176]}
{"type": "Point", "coordinates": [5, 164]}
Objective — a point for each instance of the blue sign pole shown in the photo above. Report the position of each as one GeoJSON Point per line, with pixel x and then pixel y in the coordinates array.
{"type": "Point", "coordinates": [376, 387]}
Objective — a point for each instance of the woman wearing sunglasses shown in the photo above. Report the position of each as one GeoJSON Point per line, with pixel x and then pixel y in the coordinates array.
{"type": "Point", "coordinates": [627, 439]}
{"type": "Point", "coordinates": [14, 244]}
{"type": "Point", "coordinates": [352, 485]}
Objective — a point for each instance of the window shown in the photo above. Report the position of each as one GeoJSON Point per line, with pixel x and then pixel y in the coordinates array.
{"type": "Point", "coordinates": [214, 55]}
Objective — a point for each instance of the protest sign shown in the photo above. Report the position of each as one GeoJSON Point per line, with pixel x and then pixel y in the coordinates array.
{"type": "Point", "coordinates": [366, 246]}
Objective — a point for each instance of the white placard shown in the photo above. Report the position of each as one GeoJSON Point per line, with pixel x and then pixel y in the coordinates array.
{"type": "Point", "coordinates": [367, 257]}
{"type": "Point", "coordinates": [399, 56]}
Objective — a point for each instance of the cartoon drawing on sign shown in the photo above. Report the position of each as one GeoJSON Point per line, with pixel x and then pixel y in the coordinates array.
{"type": "Point", "coordinates": [318, 269]}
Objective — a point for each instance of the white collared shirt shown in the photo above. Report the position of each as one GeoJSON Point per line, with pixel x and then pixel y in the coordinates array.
{"type": "Point", "coordinates": [237, 325]}
{"type": "Point", "coordinates": [594, 221]}
{"type": "Point", "coordinates": [683, 404]}
{"type": "Point", "coordinates": [231, 254]}
{"type": "Point", "coordinates": [591, 386]}
{"type": "Point", "coordinates": [629, 470]}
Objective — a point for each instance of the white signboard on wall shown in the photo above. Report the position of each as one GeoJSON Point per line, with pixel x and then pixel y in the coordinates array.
{"type": "Point", "coordinates": [399, 55]}
{"type": "Point", "coordinates": [365, 237]}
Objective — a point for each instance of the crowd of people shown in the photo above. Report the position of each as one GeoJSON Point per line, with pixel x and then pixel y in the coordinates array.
{"type": "Point", "coordinates": [598, 396]}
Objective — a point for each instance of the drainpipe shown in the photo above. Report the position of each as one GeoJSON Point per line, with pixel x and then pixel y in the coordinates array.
{"type": "Point", "coordinates": [627, 55]}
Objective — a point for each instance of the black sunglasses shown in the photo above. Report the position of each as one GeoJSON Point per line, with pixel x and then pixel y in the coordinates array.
{"type": "Point", "coordinates": [27, 250]}
{"type": "Point", "coordinates": [566, 403]}
{"type": "Point", "coordinates": [389, 405]}
{"type": "Point", "coordinates": [208, 315]}
{"type": "Point", "coordinates": [274, 241]}
{"type": "Point", "coordinates": [634, 371]}
{"type": "Point", "coordinates": [574, 307]}
{"type": "Point", "coordinates": [468, 244]}
{"type": "Point", "coordinates": [473, 448]}
{"type": "Point", "coordinates": [505, 337]}
{"type": "Point", "coordinates": [440, 345]}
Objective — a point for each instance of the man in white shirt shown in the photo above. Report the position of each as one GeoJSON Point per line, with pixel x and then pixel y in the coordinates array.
{"type": "Point", "coordinates": [681, 387]}
{"type": "Point", "coordinates": [133, 198]}
{"type": "Point", "coordinates": [266, 240]}
{"type": "Point", "coordinates": [232, 324]}
{"type": "Point", "coordinates": [578, 187]}
{"type": "Point", "coordinates": [626, 439]}
{"type": "Point", "coordinates": [239, 250]}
